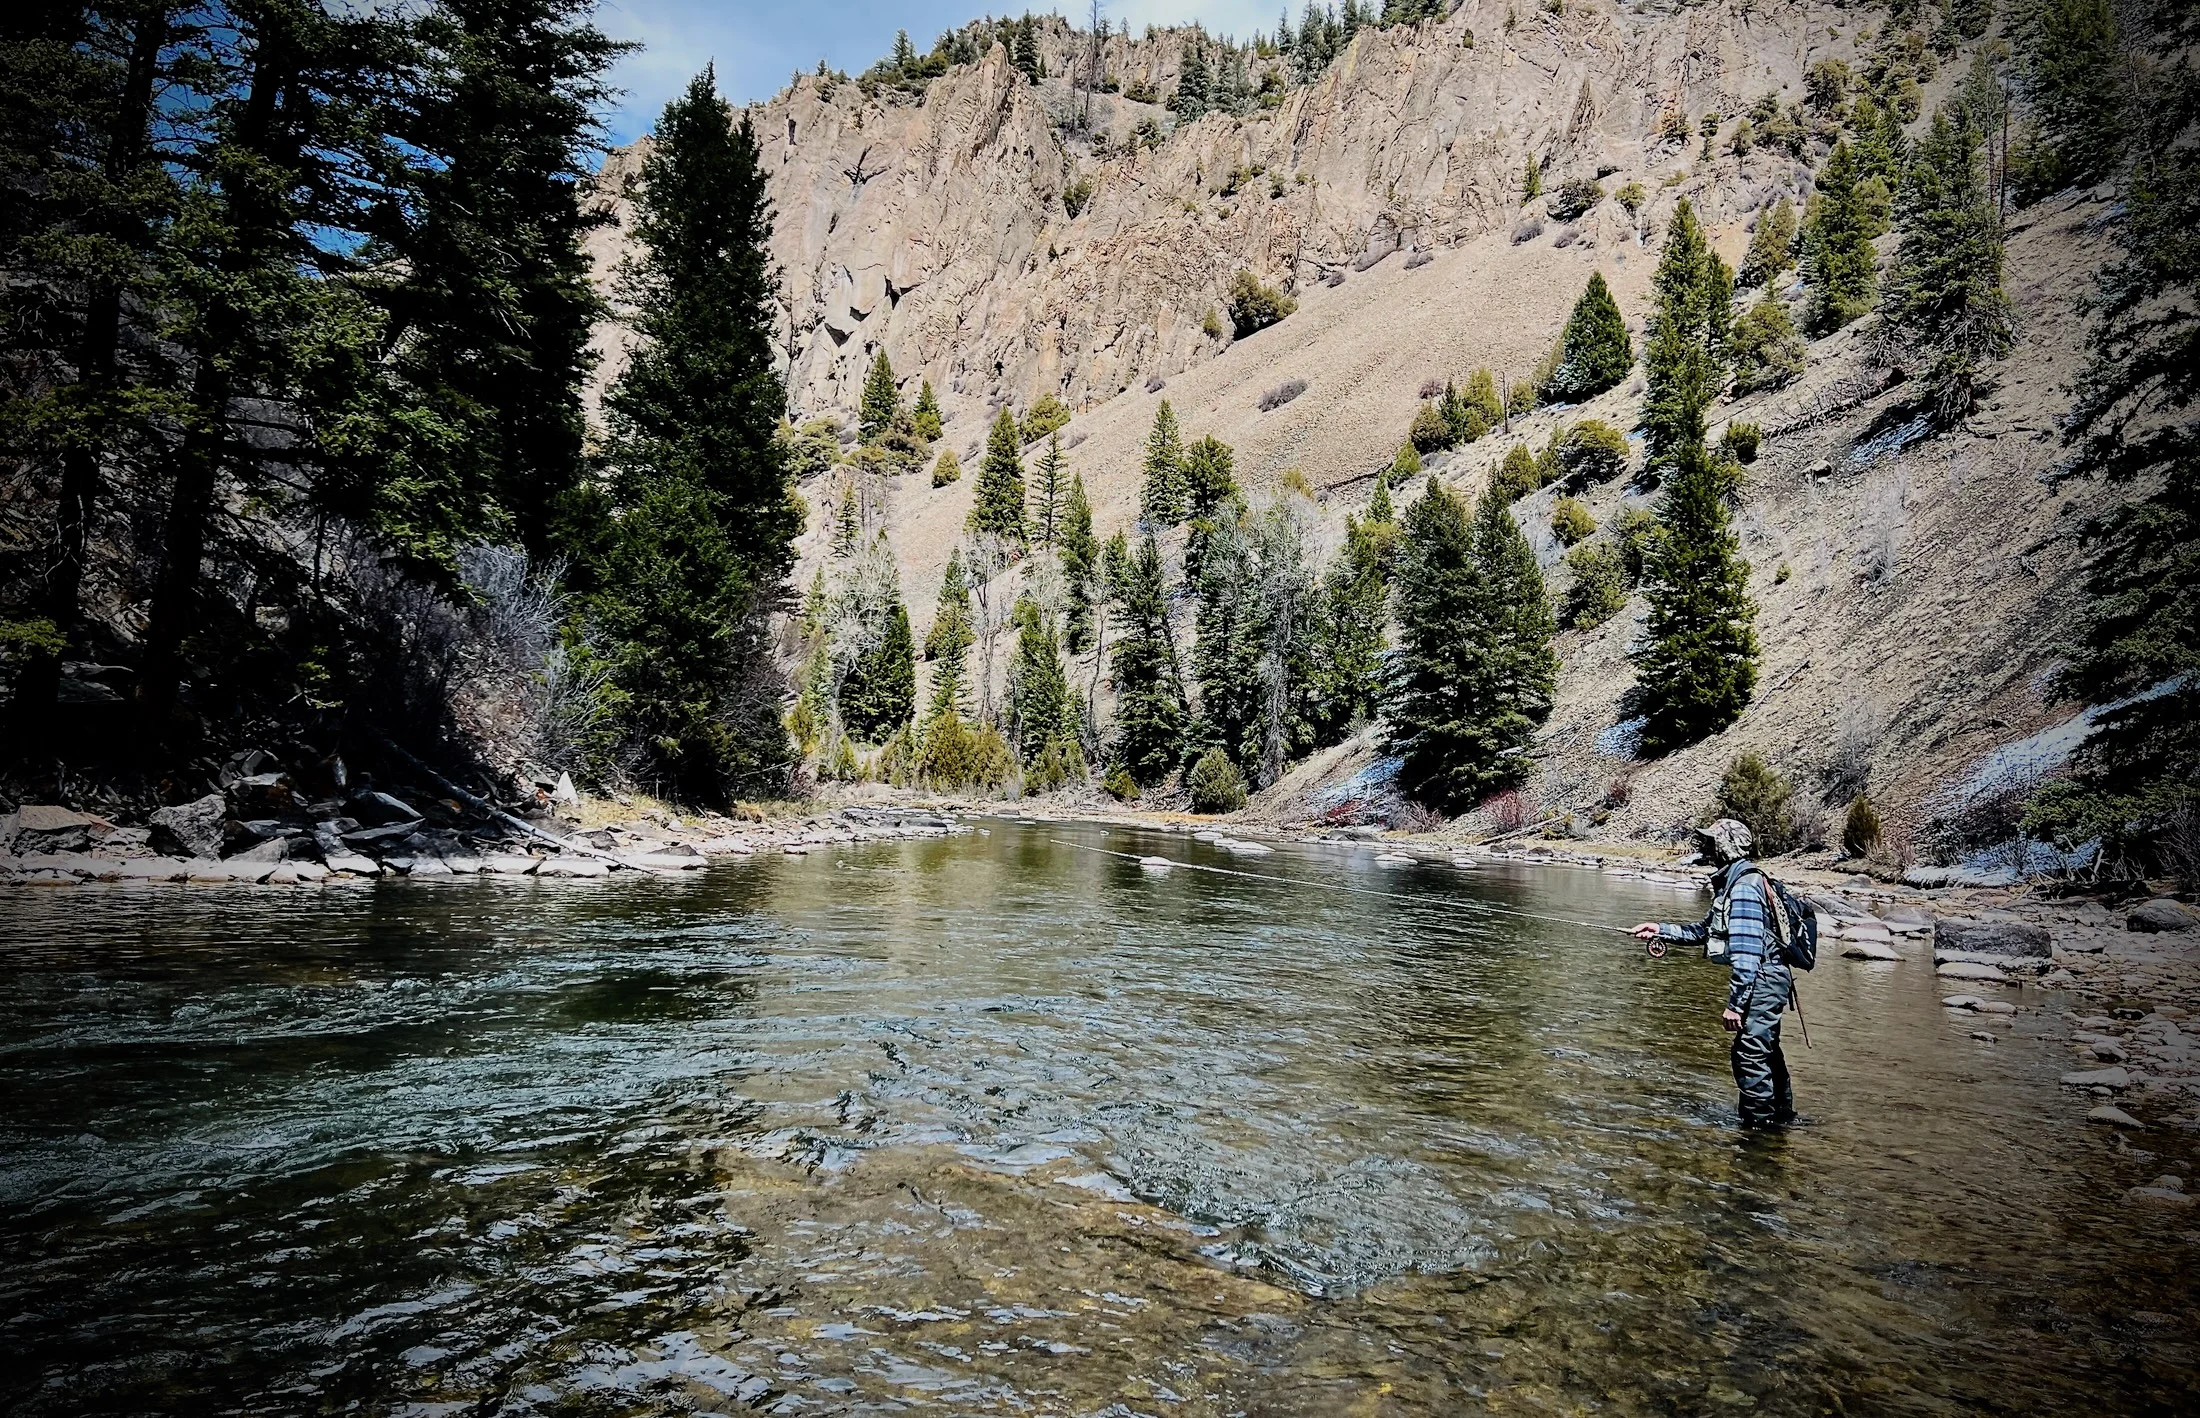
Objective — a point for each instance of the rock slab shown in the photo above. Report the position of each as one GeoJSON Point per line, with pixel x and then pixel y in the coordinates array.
{"type": "Point", "coordinates": [2153, 918]}
{"type": "Point", "coordinates": [1987, 937]}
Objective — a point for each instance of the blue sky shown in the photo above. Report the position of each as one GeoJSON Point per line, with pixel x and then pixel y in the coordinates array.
{"type": "Point", "coordinates": [757, 45]}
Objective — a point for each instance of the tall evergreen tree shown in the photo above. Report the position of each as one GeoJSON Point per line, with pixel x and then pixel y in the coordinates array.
{"type": "Point", "coordinates": [1194, 81]}
{"type": "Point", "coordinates": [998, 504]}
{"type": "Point", "coordinates": [1474, 670]}
{"type": "Point", "coordinates": [1040, 709]}
{"type": "Point", "coordinates": [2069, 53]}
{"type": "Point", "coordinates": [2135, 784]}
{"type": "Point", "coordinates": [1595, 350]}
{"type": "Point", "coordinates": [1837, 247]}
{"type": "Point", "coordinates": [1771, 246]}
{"type": "Point", "coordinates": [925, 419]}
{"type": "Point", "coordinates": [495, 307]}
{"type": "Point", "coordinates": [948, 644]}
{"type": "Point", "coordinates": [1151, 714]}
{"type": "Point", "coordinates": [1686, 361]}
{"type": "Point", "coordinates": [880, 693]}
{"type": "Point", "coordinates": [1944, 297]}
{"type": "Point", "coordinates": [1051, 492]}
{"type": "Point", "coordinates": [1697, 663]}
{"type": "Point", "coordinates": [1349, 634]}
{"type": "Point", "coordinates": [1080, 569]}
{"type": "Point", "coordinates": [81, 200]}
{"type": "Point", "coordinates": [1226, 656]}
{"type": "Point", "coordinates": [881, 401]}
{"type": "Point", "coordinates": [1164, 492]}
{"type": "Point", "coordinates": [693, 422]}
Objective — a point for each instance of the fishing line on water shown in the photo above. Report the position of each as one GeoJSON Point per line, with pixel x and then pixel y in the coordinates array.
{"type": "Point", "coordinates": [1446, 902]}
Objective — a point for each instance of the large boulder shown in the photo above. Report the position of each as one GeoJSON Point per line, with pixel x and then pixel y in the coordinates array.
{"type": "Point", "coordinates": [2154, 917]}
{"type": "Point", "coordinates": [38, 828]}
{"type": "Point", "coordinates": [1991, 937]}
{"type": "Point", "coordinates": [193, 829]}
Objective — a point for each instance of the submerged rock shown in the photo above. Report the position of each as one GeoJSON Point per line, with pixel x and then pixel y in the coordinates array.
{"type": "Point", "coordinates": [2114, 1116]}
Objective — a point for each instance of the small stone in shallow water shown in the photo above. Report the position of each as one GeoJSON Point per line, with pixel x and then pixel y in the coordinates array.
{"type": "Point", "coordinates": [1394, 859]}
{"type": "Point", "coordinates": [1979, 1005]}
{"type": "Point", "coordinates": [1156, 863]}
{"type": "Point", "coordinates": [1869, 950]}
{"type": "Point", "coordinates": [1969, 970]}
{"type": "Point", "coordinates": [2114, 1116]}
{"type": "Point", "coordinates": [2115, 1078]}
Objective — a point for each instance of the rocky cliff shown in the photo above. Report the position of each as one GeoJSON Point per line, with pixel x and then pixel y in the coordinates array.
{"type": "Point", "coordinates": [1912, 590]}
{"type": "Point", "coordinates": [936, 228]}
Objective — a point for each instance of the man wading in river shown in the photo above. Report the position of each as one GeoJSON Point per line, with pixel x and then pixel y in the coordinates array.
{"type": "Point", "coordinates": [1760, 985]}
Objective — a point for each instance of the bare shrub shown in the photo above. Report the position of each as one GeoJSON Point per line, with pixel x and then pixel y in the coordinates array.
{"type": "Point", "coordinates": [1154, 384]}
{"type": "Point", "coordinates": [1566, 237]}
{"type": "Point", "coordinates": [1620, 791]}
{"type": "Point", "coordinates": [1432, 387]}
{"type": "Point", "coordinates": [1419, 259]}
{"type": "Point", "coordinates": [1335, 278]}
{"type": "Point", "coordinates": [1846, 772]}
{"type": "Point", "coordinates": [1415, 817]}
{"type": "Point", "coordinates": [1528, 230]}
{"type": "Point", "coordinates": [1508, 811]}
{"type": "Point", "coordinates": [1282, 394]}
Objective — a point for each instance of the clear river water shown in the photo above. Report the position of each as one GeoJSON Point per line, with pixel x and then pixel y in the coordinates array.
{"type": "Point", "coordinates": [998, 1124]}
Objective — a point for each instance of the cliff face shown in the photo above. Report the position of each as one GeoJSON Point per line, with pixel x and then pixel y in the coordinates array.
{"type": "Point", "coordinates": [937, 229]}
{"type": "Point", "coordinates": [1911, 591]}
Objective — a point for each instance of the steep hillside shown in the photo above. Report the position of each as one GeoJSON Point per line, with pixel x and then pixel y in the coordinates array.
{"type": "Point", "coordinates": [1911, 590]}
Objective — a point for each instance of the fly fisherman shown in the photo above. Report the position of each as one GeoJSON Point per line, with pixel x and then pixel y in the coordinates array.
{"type": "Point", "coordinates": [1760, 984]}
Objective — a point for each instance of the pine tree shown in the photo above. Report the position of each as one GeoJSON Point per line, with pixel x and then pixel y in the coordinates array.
{"type": "Point", "coordinates": [1024, 51]}
{"type": "Point", "coordinates": [947, 469]}
{"type": "Point", "coordinates": [1771, 246]}
{"type": "Point", "coordinates": [1768, 354]}
{"type": "Point", "coordinates": [881, 401]}
{"type": "Point", "coordinates": [2070, 54]}
{"type": "Point", "coordinates": [1193, 81]}
{"type": "Point", "coordinates": [1349, 634]}
{"type": "Point", "coordinates": [925, 419]}
{"type": "Point", "coordinates": [78, 230]}
{"type": "Point", "coordinates": [1151, 713]}
{"type": "Point", "coordinates": [1080, 569]}
{"type": "Point", "coordinates": [1164, 494]}
{"type": "Point", "coordinates": [1697, 664]}
{"type": "Point", "coordinates": [1474, 669]}
{"type": "Point", "coordinates": [998, 504]}
{"type": "Point", "coordinates": [1944, 297]}
{"type": "Point", "coordinates": [879, 694]}
{"type": "Point", "coordinates": [1596, 350]}
{"type": "Point", "coordinates": [1517, 475]}
{"type": "Point", "coordinates": [2135, 784]}
{"type": "Point", "coordinates": [1226, 655]}
{"type": "Point", "coordinates": [1837, 247]}
{"type": "Point", "coordinates": [1686, 359]}
{"type": "Point", "coordinates": [1041, 712]}
{"type": "Point", "coordinates": [496, 306]}
{"type": "Point", "coordinates": [1485, 410]}
{"type": "Point", "coordinates": [1209, 467]}
{"type": "Point", "coordinates": [1403, 468]}
{"type": "Point", "coordinates": [1531, 187]}
{"type": "Point", "coordinates": [1051, 492]}
{"type": "Point", "coordinates": [949, 641]}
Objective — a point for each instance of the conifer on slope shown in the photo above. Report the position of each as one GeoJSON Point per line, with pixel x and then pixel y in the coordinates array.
{"type": "Point", "coordinates": [1474, 670]}
{"type": "Point", "coordinates": [1596, 352]}
{"type": "Point", "coordinates": [1697, 663]}
{"type": "Point", "coordinates": [998, 504]}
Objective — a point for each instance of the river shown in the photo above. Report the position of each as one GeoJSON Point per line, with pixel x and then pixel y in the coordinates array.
{"type": "Point", "coordinates": [999, 1123]}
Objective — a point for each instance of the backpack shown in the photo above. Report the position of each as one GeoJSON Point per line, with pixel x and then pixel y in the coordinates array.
{"type": "Point", "coordinates": [1794, 923]}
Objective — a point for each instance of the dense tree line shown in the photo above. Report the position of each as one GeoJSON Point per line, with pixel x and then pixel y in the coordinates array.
{"type": "Point", "coordinates": [299, 322]}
